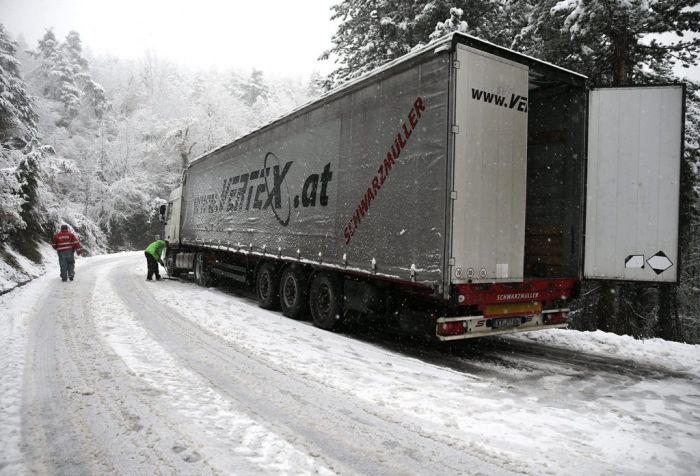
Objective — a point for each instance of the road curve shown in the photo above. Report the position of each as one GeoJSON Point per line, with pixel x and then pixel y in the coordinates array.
{"type": "Point", "coordinates": [88, 410]}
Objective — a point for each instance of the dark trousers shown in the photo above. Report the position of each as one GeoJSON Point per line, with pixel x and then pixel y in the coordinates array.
{"type": "Point", "coordinates": [66, 259]}
{"type": "Point", "coordinates": [152, 266]}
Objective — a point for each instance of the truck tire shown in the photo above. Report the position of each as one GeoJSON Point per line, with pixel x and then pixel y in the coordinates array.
{"type": "Point", "coordinates": [267, 286]}
{"type": "Point", "coordinates": [326, 301]}
{"type": "Point", "coordinates": [293, 290]}
{"type": "Point", "coordinates": [202, 275]}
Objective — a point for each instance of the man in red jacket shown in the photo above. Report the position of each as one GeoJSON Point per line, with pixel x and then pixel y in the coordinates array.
{"type": "Point", "coordinates": [65, 243]}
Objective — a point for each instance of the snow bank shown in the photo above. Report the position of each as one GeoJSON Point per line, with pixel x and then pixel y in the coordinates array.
{"type": "Point", "coordinates": [675, 356]}
{"type": "Point", "coordinates": [11, 276]}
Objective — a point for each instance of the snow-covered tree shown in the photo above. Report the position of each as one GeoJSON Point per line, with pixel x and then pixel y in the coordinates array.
{"type": "Point", "coordinates": [66, 76]}
{"type": "Point", "coordinates": [255, 88]}
{"type": "Point", "coordinates": [454, 23]}
{"type": "Point", "coordinates": [17, 114]}
{"type": "Point", "coordinates": [683, 304]}
{"type": "Point", "coordinates": [371, 33]}
{"type": "Point", "coordinates": [614, 42]}
{"type": "Point", "coordinates": [19, 168]}
{"type": "Point", "coordinates": [59, 81]}
{"type": "Point", "coordinates": [10, 198]}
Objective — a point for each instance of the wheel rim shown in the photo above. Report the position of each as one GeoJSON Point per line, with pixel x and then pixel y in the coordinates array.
{"type": "Point", "coordinates": [324, 301]}
{"type": "Point", "coordinates": [264, 286]}
{"type": "Point", "coordinates": [289, 291]}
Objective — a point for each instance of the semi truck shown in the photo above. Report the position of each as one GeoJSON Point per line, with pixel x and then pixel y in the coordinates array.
{"type": "Point", "coordinates": [463, 190]}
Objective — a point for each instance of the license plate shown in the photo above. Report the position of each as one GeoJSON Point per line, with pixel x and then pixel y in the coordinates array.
{"type": "Point", "coordinates": [505, 322]}
{"type": "Point", "coordinates": [519, 308]}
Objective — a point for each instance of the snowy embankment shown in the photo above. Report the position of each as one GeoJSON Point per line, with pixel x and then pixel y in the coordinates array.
{"type": "Point", "coordinates": [557, 402]}
{"type": "Point", "coordinates": [23, 269]}
{"type": "Point", "coordinates": [674, 356]}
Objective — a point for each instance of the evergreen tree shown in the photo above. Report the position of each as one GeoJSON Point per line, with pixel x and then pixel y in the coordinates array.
{"type": "Point", "coordinates": [254, 89]}
{"type": "Point", "coordinates": [372, 33]}
{"type": "Point", "coordinates": [58, 74]}
{"type": "Point", "coordinates": [66, 76]}
{"type": "Point", "coordinates": [33, 213]}
{"type": "Point", "coordinates": [613, 42]}
{"type": "Point", "coordinates": [18, 130]}
{"type": "Point", "coordinates": [18, 118]}
{"type": "Point", "coordinates": [48, 45]}
{"type": "Point", "coordinates": [679, 314]}
{"type": "Point", "coordinates": [454, 23]}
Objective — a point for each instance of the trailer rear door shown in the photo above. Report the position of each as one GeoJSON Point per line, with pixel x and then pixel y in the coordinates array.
{"type": "Point", "coordinates": [635, 143]}
{"type": "Point", "coordinates": [490, 168]}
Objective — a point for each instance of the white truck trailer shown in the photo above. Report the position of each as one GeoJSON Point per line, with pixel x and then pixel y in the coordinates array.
{"type": "Point", "coordinates": [463, 190]}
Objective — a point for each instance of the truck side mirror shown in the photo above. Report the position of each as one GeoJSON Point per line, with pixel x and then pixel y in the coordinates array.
{"type": "Point", "coordinates": [161, 211]}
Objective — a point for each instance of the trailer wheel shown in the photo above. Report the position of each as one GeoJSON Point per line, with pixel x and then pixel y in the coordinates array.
{"type": "Point", "coordinates": [293, 291]}
{"type": "Point", "coordinates": [267, 286]}
{"type": "Point", "coordinates": [202, 275]}
{"type": "Point", "coordinates": [326, 301]}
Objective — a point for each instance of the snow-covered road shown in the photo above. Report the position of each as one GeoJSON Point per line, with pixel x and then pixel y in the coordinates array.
{"type": "Point", "coordinates": [112, 374]}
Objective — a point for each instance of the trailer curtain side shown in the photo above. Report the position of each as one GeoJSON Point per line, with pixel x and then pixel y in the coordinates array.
{"type": "Point", "coordinates": [357, 182]}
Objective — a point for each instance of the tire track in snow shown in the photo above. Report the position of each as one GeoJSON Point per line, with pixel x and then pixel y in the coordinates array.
{"type": "Point", "coordinates": [13, 339]}
{"type": "Point", "coordinates": [356, 436]}
{"type": "Point", "coordinates": [50, 434]}
{"type": "Point", "coordinates": [83, 411]}
{"type": "Point", "coordinates": [231, 440]}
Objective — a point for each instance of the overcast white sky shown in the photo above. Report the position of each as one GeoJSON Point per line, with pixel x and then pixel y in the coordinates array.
{"type": "Point", "coordinates": [263, 34]}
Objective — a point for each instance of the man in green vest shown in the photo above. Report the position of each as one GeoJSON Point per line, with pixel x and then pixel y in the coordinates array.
{"type": "Point", "coordinates": [153, 253]}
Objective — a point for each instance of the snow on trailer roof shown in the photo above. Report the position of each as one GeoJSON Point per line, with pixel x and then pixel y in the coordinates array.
{"type": "Point", "coordinates": [444, 44]}
{"type": "Point", "coordinates": [475, 42]}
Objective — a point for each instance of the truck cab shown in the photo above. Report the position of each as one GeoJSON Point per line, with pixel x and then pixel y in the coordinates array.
{"type": "Point", "coordinates": [171, 217]}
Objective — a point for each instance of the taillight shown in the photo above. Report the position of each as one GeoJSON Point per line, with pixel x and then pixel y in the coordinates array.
{"type": "Point", "coordinates": [554, 318]}
{"type": "Point", "coordinates": [451, 328]}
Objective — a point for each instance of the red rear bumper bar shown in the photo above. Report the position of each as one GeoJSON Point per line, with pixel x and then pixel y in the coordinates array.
{"type": "Point", "coordinates": [545, 291]}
